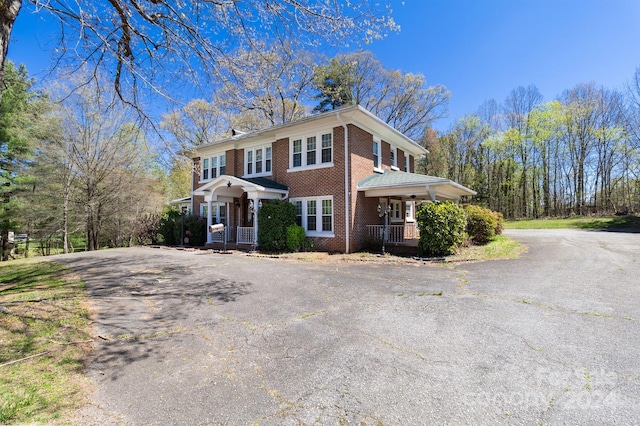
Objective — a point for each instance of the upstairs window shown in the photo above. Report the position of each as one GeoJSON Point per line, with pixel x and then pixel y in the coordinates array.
{"type": "Point", "coordinates": [312, 151]}
{"type": "Point", "coordinates": [205, 169]}
{"type": "Point", "coordinates": [327, 148]}
{"type": "Point", "coordinates": [406, 163]}
{"type": "Point", "coordinates": [213, 167]}
{"type": "Point", "coordinates": [258, 161]}
{"type": "Point", "coordinates": [376, 155]}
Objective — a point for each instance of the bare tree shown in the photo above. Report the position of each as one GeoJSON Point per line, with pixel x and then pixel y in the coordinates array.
{"type": "Point", "coordinates": [157, 44]}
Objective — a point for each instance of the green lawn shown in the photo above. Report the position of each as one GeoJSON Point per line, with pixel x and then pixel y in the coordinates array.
{"type": "Point", "coordinates": [44, 342]}
{"type": "Point", "coordinates": [614, 222]}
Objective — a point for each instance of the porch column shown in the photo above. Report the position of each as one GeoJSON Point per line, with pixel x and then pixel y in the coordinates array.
{"type": "Point", "coordinates": [209, 222]}
{"type": "Point", "coordinates": [256, 208]}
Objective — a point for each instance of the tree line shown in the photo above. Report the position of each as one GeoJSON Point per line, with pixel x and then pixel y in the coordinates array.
{"type": "Point", "coordinates": [578, 154]}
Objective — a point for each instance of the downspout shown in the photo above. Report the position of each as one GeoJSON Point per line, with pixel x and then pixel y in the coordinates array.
{"type": "Point", "coordinates": [347, 206]}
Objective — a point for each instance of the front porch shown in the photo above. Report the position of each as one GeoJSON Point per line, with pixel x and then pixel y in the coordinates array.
{"type": "Point", "coordinates": [406, 234]}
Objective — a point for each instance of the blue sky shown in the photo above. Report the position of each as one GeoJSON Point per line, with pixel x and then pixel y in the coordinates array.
{"type": "Point", "coordinates": [478, 49]}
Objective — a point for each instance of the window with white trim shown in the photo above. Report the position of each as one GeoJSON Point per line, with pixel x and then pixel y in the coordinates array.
{"type": "Point", "coordinates": [394, 158]}
{"type": "Point", "coordinates": [213, 167]}
{"type": "Point", "coordinates": [258, 161]}
{"type": "Point", "coordinates": [315, 215]}
{"type": "Point", "coordinates": [312, 151]}
{"type": "Point", "coordinates": [409, 211]}
{"type": "Point", "coordinates": [406, 163]}
{"type": "Point", "coordinates": [395, 214]}
{"type": "Point", "coordinates": [376, 155]}
{"type": "Point", "coordinates": [205, 169]}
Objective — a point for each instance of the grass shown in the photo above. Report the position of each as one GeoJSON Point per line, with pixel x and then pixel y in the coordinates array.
{"type": "Point", "coordinates": [500, 247]}
{"type": "Point", "coordinates": [44, 342]}
{"type": "Point", "coordinates": [630, 222]}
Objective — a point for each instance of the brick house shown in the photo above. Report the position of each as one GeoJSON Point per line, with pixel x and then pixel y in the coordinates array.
{"type": "Point", "coordinates": [349, 174]}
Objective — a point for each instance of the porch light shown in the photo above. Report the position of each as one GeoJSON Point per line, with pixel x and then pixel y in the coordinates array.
{"type": "Point", "coordinates": [228, 184]}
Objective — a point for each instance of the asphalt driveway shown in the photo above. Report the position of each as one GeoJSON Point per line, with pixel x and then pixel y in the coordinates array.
{"type": "Point", "coordinates": [203, 338]}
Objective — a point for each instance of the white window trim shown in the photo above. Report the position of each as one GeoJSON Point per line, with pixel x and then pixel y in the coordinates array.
{"type": "Point", "coordinates": [399, 207]}
{"type": "Point", "coordinates": [377, 167]}
{"type": "Point", "coordinates": [412, 213]}
{"type": "Point", "coordinates": [318, 200]}
{"type": "Point", "coordinates": [394, 163]}
{"type": "Point", "coordinates": [209, 161]}
{"type": "Point", "coordinates": [264, 160]}
{"type": "Point", "coordinates": [319, 164]}
{"type": "Point", "coordinates": [406, 163]}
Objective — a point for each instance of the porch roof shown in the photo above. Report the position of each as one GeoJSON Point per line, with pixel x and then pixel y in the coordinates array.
{"type": "Point", "coordinates": [412, 186]}
{"type": "Point", "coordinates": [225, 187]}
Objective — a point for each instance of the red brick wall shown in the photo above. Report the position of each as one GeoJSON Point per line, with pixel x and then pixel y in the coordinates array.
{"type": "Point", "coordinates": [363, 210]}
{"type": "Point", "coordinates": [317, 182]}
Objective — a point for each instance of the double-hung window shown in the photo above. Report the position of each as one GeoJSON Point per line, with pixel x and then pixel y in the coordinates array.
{"type": "Point", "coordinates": [312, 151]}
{"type": "Point", "coordinates": [315, 215]}
{"type": "Point", "coordinates": [205, 169]}
{"type": "Point", "coordinates": [376, 155]}
{"type": "Point", "coordinates": [258, 161]}
{"type": "Point", "coordinates": [213, 167]}
{"type": "Point", "coordinates": [394, 158]}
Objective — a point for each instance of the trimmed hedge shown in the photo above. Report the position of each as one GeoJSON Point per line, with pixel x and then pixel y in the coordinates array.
{"type": "Point", "coordinates": [274, 217]}
{"type": "Point", "coordinates": [441, 226]}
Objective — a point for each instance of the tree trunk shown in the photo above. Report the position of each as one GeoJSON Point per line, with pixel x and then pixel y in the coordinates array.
{"type": "Point", "coordinates": [8, 13]}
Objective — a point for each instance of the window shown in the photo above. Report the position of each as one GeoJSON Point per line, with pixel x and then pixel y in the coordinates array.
{"type": "Point", "coordinates": [395, 214]}
{"type": "Point", "coordinates": [406, 163]}
{"type": "Point", "coordinates": [315, 215]}
{"type": "Point", "coordinates": [223, 164]}
{"type": "Point", "coordinates": [327, 148]}
{"type": "Point", "coordinates": [409, 211]}
{"type": "Point", "coordinates": [309, 154]}
{"type": "Point", "coordinates": [311, 150]}
{"type": "Point", "coordinates": [267, 159]}
{"type": "Point", "coordinates": [217, 163]}
{"type": "Point", "coordinates": [298, 205]}
{"type": "Point", "coordinates": [327, 216]}
{"type": "Point", "coordinates": [297, 153]}
{"type": "Point", "coordinates": [258, 161]}
{"type": "Point", "coordinates": [394, 158]}
{"type": "Point", "coordinates": [376, 155]}
{"type": "Point", "coordinates": [214, 167]}
{"type": "Point", "coordinates": [205, 169]}
{"type": "Point", "coordinates": [312, 218]}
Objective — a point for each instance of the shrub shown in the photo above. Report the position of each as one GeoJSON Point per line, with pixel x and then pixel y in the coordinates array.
{"type": "Point", "coordinates": [441, 228]}
{"type": "Point", "coordinates": [173, 224]}
{"type": "Point", "coordinates": [273, 219]}
{"type": "Point", "coordinates": [295, 237]}
{"type": "Point", "coordinates": [481, 224]}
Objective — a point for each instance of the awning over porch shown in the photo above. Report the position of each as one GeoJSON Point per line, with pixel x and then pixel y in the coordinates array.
{"type": "Point", "coordinates": [224, 188]}
{"type": "Point", "coordinates": [412, 186]}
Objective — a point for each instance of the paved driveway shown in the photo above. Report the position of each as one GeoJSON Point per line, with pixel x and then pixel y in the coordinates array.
{"type": "Point", "coordinates": [202, 338]}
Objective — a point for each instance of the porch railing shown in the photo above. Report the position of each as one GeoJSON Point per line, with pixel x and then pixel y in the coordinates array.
{"type": "Point", "coordinates": [217, 236]}
{"type": "Point", "coordinates": [396, 234]}
{"type": "Point", "coordinates": [245, 235]}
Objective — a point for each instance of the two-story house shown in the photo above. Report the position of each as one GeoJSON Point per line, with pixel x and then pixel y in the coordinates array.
{"type": "Point", "coordinates": [347, 172]}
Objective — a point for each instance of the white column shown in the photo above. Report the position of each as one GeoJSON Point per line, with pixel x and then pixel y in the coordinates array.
{"type": "Point", "coordinates": [209, 221]}
{"type": "Point", "coordinates": [256, 208]}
